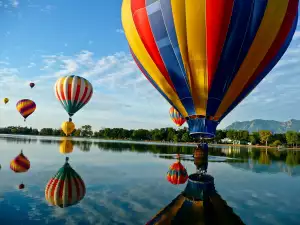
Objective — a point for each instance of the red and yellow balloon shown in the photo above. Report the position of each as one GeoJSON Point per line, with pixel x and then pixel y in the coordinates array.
{"type": "Point", "coordinates": [177, 118]}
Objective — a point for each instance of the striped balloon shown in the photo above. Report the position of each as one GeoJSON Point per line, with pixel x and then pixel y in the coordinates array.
{"type": "Point", "coordinates": [66, 188]}
{"type": "Point", "coordinates": [205, 56]}
{"type": "Point", "coordinates": [177, 118]}
{"type": "Point", "coordinates": [73, 92]}
{"type": "Point", "coordinates": [26, 107]}
{"type": "Point", "coordinates": [20, 164]}
{"type": "Point", "coordinates": [177, 174]}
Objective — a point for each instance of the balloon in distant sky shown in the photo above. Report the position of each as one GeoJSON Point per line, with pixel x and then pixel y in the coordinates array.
{"type": "Point", "coordinates": [31, 84]}
{"type": "Point", "coordinates": [205, 57]}
{"type": "Point", "coordinates": [65, 188]}
{"type": "Point", "coordinates": [68, 127]}
{"type": "Point", "coordinates": [73, 92]}
{"type": "Point", "coordinates": [5, 100]}
{"type": "Point", "coordinates": [176, 117]}
{"type": "Point", "coordinates": [26, 107]}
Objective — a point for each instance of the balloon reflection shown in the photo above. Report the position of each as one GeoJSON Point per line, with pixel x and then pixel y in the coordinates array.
{"type": "Point", "coordinates": [66, 146]}
{"type": "Point", "coordinates": [177, 174]}
{"type": "Point", "coordinates": [65, 188]}
{"type": "Point", "coordinates": [199, 203]}
{"type": "Point", "coordinates": [20, 164]}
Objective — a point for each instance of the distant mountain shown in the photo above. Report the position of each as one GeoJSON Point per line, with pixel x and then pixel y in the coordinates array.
{"type": "Point", "coordinates": [274, 126]}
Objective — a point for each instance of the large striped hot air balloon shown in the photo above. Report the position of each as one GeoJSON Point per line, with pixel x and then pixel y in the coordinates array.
{"type": "Point", "coordinates": [177, 118]}
{"type": "Point", "coordinates": [73, 92]}
{"type": "Point", "coordinates": [177, 174]}
{"type": "Point", "coordinates": [20, 164]}
{"type": "Point", "coordinates": [206, 56]}
{"type": "Point", "coordinates": [66, 188]}
{"type": "Point", "coordinates": [26, 107]}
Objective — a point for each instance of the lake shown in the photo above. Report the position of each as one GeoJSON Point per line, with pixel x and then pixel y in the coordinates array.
{"type": "Point", "coordinates": [125, 182]}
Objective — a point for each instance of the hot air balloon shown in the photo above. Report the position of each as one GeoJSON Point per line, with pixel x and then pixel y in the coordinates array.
{"type": "Point", "coordinates": [68, 127]}
{"type": "Point", "coordinates": [176, 117]}
{"type": "Point", "coordinates": [66, 147]}
{"type": "Point", "coordinates": [5, 100]}
{"type": "Point", "coordinates": [205, 57]}
{"type": "Point", "coordinates": [73, 92]}
{"type": "Point", "coordinates": [21, 186]}
{"type": "Point", "coordinates": [66, 188]}
{"type": "Point", "coordinates": [177, 173]}
{"type": "Point", "coordinates": [31, 84]}
{"type": "Point", "coordinates": [26, 107]}
{"type": "Point", "coordinates": [20, 164]}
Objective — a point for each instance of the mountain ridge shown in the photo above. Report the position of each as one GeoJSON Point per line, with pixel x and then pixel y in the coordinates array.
{"type": "Point", "coordinates": [260, 124]}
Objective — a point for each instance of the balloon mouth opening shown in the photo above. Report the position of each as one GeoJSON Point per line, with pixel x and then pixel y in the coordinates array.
{"type": "Point", "coordinates": [202, 127]}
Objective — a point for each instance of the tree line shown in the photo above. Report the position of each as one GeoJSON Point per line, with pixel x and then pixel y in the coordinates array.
{"type": "Point", "coordinates": [262, 137]}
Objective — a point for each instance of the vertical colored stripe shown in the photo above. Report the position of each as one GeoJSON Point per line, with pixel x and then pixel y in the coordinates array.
{"type": "Point", "coordinates": [143, 56]}
{"type": "Point", "coordinates": [196, 42]}
{"type": "Point", "coordinates": [218, 15]}
{"type": "Point", "coordinates": [140, 18]}
{"type": "Point", "coordinates": [268, 30]}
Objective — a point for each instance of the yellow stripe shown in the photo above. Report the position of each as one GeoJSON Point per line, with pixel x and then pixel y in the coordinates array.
{"type": "Point", "coordinates": [270, 25]}
{"type": "Point", "coordinates": [142, 55]}
{"type": "Point", "coordinates": [178, 9]}
{"type": "Point", "coordinates": [196, 42]}
{"type": "Point", "coordinates": [70, 80]}
{"type": "Point", "coordinates": [23, 105]}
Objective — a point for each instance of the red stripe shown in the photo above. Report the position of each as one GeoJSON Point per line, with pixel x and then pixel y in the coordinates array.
{"type": "Point", "coordinates": [70, 190]}
{"type": "Point", "coordinates": [90, 95]}
{"type": "Point", "coordinates": [218, 14]}
{"type": "Point", "coordinates": [48, 186]}
{"type": "Point", "coordinates": [140, 18]}
{"type": "Point", "coordinates": [289, 18]}
{"type": "Point", "coordinates": [62, 92]}
{"type": "Point", "coordinates": [77, 92]}
{"type": "Point", "coordinates": [77, 188]}
{"type": "Point", "coordinates": [54, 185]}
{"type": "Point", "coordinates": [69, 91]}
{"type": "Point", "coordinates": [84, 94]}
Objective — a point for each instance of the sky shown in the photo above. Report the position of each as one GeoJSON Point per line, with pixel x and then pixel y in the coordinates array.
{"type": "Point", "coordinates": [43, 40]}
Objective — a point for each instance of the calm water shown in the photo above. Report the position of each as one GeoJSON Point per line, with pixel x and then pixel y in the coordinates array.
{"type": "Point", "coordinates": [126, 183]}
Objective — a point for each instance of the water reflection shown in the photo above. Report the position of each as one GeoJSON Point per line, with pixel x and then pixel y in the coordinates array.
{"type": "Point", "coordinates": [65, 188]}
{"type": "Point", "coordinates": [199, 203]}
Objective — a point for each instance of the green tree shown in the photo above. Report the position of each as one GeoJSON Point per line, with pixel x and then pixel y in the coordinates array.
{"type": "Point", "coordinates": [185, 137]}
{"type": "Point", "coordinates": [264, 136]}
{"type": "Point", "coordinates": [86, 131]}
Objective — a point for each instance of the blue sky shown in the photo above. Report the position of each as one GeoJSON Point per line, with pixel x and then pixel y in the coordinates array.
{"type": "Point", "coordinates": [42, 40]}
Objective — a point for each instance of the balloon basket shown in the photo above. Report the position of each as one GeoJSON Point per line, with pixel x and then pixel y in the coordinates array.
{"type": "Point", "coordinates": [199, 187]}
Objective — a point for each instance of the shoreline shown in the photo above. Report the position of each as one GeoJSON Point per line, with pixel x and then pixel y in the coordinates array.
{"type": "Point", "coordinates": [187, 144]}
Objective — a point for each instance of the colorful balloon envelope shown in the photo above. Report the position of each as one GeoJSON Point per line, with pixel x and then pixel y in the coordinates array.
{"type": "Point", "coordinates": [73, 92]}
{"type": "Point", "coordinates": [20, 164]}
{"type": "Point", "coordinates": [177, 174]}
{"type": "Point", "coordinates": [5, 100]}
{"type": "Point", "coordinates": [68, 127]}
{"type": "Point", "coordinates": [31, 84]}
{"type": "Point", "coordinates": [66, 188]}
{"type": "Point", "coordinates": [205, 57]}
{"type": "Point", "coordinates": [66, 147]}
{"type": "Point", "coordinates": [26, 107]}
{"type": "Point", "coordinates": [177, 118]}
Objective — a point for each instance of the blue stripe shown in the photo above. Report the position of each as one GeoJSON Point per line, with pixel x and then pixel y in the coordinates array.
{"type": "Point", "coordinates": [169, 58]}
{"type": "Point", "coordinates": [242, 24]}
{"type": "Point", "coordinates": [260, 77]}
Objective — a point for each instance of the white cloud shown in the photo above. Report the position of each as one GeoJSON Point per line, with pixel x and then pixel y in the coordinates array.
{"type": "Point", "coordinates": [121, 31]}
{"type": "Point", "coordinates": [68, 67]}
{"type": "Point", "coordinates": [90, 42]}
{"type": "Point", "coordinates": [14, 3]}
{"type": "Point", "coordinates": [32, 64]}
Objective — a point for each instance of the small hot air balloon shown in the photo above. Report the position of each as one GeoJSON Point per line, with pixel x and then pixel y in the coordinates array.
{"type": "Point", "coordinates": [177, 118]}
{"type": "Point", "coordinates": [21, 186]}
{"type": "Point", "coordinates": [20, 164]}
{"type": "Point", "coordinates": [5, 100]}
{"type": "Point", "coordinates": [204, 57]}
{"type": "Point", "coordinates": [73, 92]}
{"type": "Point", "coordinates": [66, 147]}
{"type": "Point", "coordinates": [65, 188]}
{"type": "Point", "coordinates": [68, 127]}
{"type": "Point", "coordinates": [26, 107]}
{"type": "Point", "coordinates": [177, 174]}
{"type": "Point", "coordinates": [31, 84]}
